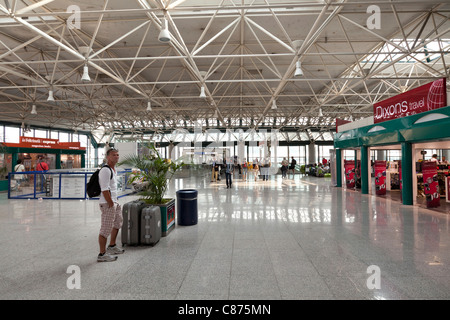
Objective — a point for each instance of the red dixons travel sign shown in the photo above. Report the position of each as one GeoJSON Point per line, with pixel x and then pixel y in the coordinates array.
{"type": "Point", "coordinates": [424, 98]}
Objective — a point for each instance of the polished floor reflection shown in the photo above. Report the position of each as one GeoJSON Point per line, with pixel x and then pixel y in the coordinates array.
{"type": "Point", "coordinates": [296, 238]}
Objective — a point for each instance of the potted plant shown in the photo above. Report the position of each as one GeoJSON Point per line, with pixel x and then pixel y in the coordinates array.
{"type": "Point", "coordinates": [153, 175]}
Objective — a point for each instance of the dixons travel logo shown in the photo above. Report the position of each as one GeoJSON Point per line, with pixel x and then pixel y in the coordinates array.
{"type": "Point", "coordinates": [424, 98]}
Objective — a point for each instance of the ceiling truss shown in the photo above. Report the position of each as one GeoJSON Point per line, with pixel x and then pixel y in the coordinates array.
{"type": "Point", "coordinates": [244, 54]}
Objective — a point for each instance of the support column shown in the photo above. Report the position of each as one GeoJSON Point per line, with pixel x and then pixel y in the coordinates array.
{"type": "Point", "coordinates": [58, 160]}
{"type": "Point", "coordinates": [365, 170]}
{"type": "Point", "coordinates": [83, 160]}
{"type": "Point", "coordinates": [312, 153]}
{"type": "Point", "coordinates": [407, 174]}
{"type": "Point", "coordinates": [339, 168]}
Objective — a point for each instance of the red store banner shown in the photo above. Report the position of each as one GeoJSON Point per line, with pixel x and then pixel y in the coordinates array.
{"type": "Point", "coordinates": [44, 143]}
{"type": "Point", "coordinates": [431, 184]}
{"type": "Point", "coordinates": [424, 98]}
{"type": "Point", "coordinates": [349, 167]}
{"type": "Point", "coordinates": [380, 177]}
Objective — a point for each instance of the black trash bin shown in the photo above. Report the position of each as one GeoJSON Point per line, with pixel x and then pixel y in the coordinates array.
{"type": "Point", "coordinates": [187, 211]}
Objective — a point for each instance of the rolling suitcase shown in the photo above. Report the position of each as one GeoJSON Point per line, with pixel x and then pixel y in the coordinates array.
{"type": "Point", "coordinates": [131, 213]}
{"type": "Point", "coordinates": [150, 225]}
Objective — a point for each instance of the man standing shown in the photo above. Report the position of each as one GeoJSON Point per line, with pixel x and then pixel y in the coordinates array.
{"type": "Point", "coordinates": [42, 166]}
{"type": "Point", "coordinates": [292, 167]}
{"type": "Point", "coordinates": [110, 208]}
{"type": "Point", "coordinates": [229, 172]}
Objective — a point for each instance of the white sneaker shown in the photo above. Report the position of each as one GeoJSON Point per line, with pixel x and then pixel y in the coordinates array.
{"type": "Point", "coordinates": [106, 257]}
{"type": "Point", "coordinates": [114, 250]}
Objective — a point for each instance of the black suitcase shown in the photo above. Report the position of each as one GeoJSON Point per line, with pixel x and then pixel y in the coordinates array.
{"type": "Point", "coordinates": [131, 212]}
{"type": "Point", "coordinates": [150, 225]}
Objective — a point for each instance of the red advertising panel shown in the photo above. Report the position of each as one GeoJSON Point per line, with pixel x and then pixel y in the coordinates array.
{"type": "Point", "coordinates": [431, 184]}
{"type": "Point", "coordinates": [380, 177]}
{"type": "Point", "coordinates": [424, 98]}
{"type": "Point", "coordinates": [349, 167]}
{"type": "Point", "coordinates": [340, 122]}
{"type": "Point", "coordinates": [447, 184]}
{"type": "Point", "coordinates": [30, 142]}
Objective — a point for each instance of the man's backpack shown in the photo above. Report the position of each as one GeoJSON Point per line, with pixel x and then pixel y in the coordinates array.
{"type": "Point", "coordinates": [93, 186]}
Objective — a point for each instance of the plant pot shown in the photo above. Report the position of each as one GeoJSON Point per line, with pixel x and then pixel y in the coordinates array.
{"type": "Point", "coordinates": [3, 185]}
{"type": "Point", "coordinates": [167, 217]}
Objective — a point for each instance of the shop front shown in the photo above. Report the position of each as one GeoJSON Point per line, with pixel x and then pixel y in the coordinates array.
{"type": "Point", "coordinates": [32, 151]}
{"type": "Point", "coordinates": [396, 158]}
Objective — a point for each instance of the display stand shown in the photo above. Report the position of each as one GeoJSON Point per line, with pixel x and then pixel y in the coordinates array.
{"type": "Point", "coordinates": [430, 183]}
{"type": "Point", "coordinates": [380, 177]}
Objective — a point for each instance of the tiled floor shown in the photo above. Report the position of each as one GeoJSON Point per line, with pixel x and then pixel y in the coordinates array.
{"type": "Point", "coordinates": [296, 238]}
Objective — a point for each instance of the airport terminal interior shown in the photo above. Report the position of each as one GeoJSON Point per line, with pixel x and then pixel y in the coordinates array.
{"type": "Point", "coordinates": [332, 116]}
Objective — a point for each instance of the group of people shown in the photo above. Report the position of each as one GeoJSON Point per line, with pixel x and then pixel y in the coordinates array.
{"type": "Point", "coordinates": [19, 179]}
{"type": "Point", "coordinates": [434, 158]}
{"type": "Point", "coordinates": [246, 168]}
{"type": "Point", "coordinates": [285, 167]}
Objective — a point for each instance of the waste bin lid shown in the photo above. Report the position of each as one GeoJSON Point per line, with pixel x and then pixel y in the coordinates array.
{"type": "Point", "coordinates": [187, 192]}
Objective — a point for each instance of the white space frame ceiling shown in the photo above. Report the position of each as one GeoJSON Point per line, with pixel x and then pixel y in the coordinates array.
{"type": "Point", "coordinates": [244, 52]}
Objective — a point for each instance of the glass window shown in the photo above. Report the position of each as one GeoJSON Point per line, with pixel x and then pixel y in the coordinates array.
{"type": "Point", "coordinates": [28, 133]}
{"type": "Point", "coordinates": [63, 137]}
{"type": "Point", "coordinates": [324, 152]}
{"type": "Point", "coordinates": [393, 155]}
{"type": "Point", "coordinates": [40, 133]}
{"type": "Point", "coordinates": [430, 153]}
{"type": "Point", "coordinates": [54, 134]}
{"type": "Point", "coordinates": [83, 141]}
{"type": "Point", "coordinates": [349, 154]}
{"type": "Point", "coordinates": [12, 135]}
{"type": "Point", "coordinates": [281, 152]}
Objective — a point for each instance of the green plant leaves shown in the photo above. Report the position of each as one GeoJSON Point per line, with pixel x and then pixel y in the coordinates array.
{"type": "Point", "coordinates": [154, 169]}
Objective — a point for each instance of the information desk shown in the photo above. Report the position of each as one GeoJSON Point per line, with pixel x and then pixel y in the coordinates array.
{"type": "Point", "coordinates": [58, 184]}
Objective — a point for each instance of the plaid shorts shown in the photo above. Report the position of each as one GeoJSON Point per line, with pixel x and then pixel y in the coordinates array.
{"type": "Point", "coordinates": [111, 218]}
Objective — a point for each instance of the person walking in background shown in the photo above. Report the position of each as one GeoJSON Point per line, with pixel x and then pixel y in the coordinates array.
{"type": "Point", "coordinates": [244, 167]}
{"type": "Point", "coordinates": [265, 169]}
{"type": "Point", "coordinates": [42, 166]}
{"type": "Point", "coordinates": [19, 178]}
{"type": "Point", "coordinates": [256, 169]}
{"type": "Point", "coordinates": [213, 170]}
{"type": "Point", "coordinates": [229, 170]}
{"type": "Point", "coordinates": [284, 167]}
{"type": "Point", "coordinates": [292, 167]}
{"type": "Point", "coordinates": [216, 171]}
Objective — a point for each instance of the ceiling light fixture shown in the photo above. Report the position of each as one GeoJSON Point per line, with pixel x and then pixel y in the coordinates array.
{"type": "Point", "coordinates": [298, 69]}
{"type": "Point", "coordinates": [320, 112]}
{"type": "Point", "coordinates": [149, 106]}
{"type": "Point", "coordinates": [202, 92]}
{"type": "Point", "coordinates": [85, 77]}
{"type": "Point", "coordinates": [50, 95]}
{"type": "Point", "coordinates": [274, 105]}
{"type": "Point", "coordinates": [33, 109]}
{"type": "Point", "coordinates": [164, 35]}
